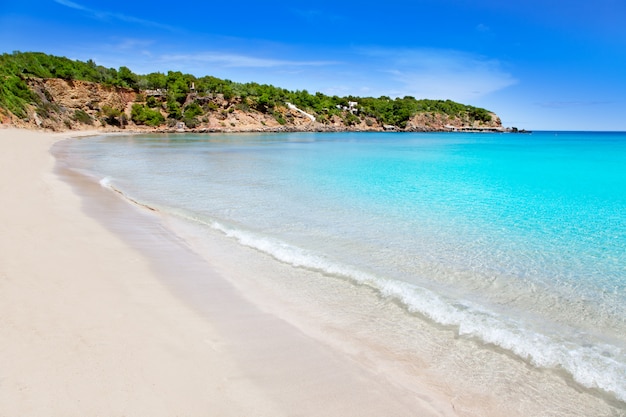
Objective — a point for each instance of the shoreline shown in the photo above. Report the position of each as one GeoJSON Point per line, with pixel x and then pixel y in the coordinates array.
{"type": "Point", "coordinates": [128, 306]}
{"type": "Point", "coordinates": [95, 320]}
{"type": "Point", "coordinates": [314, 127]}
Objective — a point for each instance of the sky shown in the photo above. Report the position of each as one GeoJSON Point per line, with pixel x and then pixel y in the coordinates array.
{"type": "Point", "coordinates": [538, 64]}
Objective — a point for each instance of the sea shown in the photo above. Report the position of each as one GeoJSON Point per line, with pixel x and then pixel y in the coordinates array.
{"type": "Point", "coordinates": [496, 263]}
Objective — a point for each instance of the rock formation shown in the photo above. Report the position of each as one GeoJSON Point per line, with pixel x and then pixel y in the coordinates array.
{"type": "Point", "coordinates": [76, 105]}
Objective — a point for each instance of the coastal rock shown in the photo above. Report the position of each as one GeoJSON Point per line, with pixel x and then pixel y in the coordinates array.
{"type": "Point", "coordinates": [78, 105]}
{"type": "Point", "coordinates": [438, 122]}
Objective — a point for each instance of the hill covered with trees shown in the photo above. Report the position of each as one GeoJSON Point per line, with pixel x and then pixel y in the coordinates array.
{"type": "Point", "coordinates": [59, 93]}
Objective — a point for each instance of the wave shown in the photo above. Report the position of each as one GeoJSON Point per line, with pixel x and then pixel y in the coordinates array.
{"type": "Point", "coordinates": [594, 366]}
{"type": "Point", "coordinates": [591, 366]}
{"type": "Point", "coordinates": [106, 183]}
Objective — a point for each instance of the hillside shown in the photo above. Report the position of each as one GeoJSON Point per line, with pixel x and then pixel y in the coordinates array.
{"type": "Point", "coordinates": [55, 93]}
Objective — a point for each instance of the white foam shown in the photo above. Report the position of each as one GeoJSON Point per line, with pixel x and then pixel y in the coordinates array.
{"type": "Point", "coordinates": [106, 182]}
{"type": "Point", "coordinates": [588, 365]}
{"type": "Point", "coordinates": [592, 365]}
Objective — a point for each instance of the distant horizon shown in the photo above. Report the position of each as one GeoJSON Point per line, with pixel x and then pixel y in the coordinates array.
{"type": "Point", "coordinates": [534, 70]}
{"type": "Point", "coordinates": [569, 131]}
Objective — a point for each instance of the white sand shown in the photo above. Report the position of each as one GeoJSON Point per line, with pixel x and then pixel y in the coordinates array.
{"type": "Point", "coordinates": [92, 326]}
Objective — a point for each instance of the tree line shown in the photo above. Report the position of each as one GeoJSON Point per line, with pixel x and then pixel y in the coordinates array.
{"type": "Point", "coordinates": [17, 67]}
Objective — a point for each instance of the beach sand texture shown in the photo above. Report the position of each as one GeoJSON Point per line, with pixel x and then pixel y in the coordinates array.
{"type": "Point", "coordinates": [92, 322]}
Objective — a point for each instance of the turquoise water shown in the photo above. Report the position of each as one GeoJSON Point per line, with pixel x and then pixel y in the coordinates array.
{"type": "Point", "coordinates": [518, 241]}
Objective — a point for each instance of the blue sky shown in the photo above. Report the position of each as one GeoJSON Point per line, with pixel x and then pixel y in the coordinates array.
{"type": "Point", "coordinates": [542, 65]}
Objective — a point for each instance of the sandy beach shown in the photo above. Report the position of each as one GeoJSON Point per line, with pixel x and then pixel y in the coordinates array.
{"type": "Point", "coordinates": [120, 318]}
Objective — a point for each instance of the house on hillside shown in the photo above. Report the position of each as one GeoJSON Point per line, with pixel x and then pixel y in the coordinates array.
{"type": "Point", "coordinates": [352, 107]}
{"type": "Point", "coordinates": [159, 92]}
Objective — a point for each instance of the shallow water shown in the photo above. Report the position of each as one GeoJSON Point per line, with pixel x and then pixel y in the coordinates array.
{"type": "Point", "coordinates": [516, 243]}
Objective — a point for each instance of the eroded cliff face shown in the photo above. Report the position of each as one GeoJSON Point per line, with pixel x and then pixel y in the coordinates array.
{"type": "Point", "coordinates": [80, 105]}
{"type": "Point", "coordinates": [82, 94]}
{"type": "Point", "coordinates": [74, 104]}
{"type": "Point", "coordinates": [442, 122]}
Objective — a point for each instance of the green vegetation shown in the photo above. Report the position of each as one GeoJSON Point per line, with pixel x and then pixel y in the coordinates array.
{"type": "Point", "coordinates": [82, 117]}
{"type": "Point", "coordinates": [142, 115]}
{"type": "Point", "coordinates": [170, 93]}
{"type": "Point", "coordinates": [113, 116]}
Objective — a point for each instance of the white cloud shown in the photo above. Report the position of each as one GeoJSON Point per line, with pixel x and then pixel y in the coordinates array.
{"type": "Point", "coordinates": [103, 15]}
{"type": "Point", "coordinates": [133, 44]}
{"type": "Point", "coordinates": [570, 104]}
{"type": "Point", "coordinates": [71, 4]}
{"type": "Point", "coordinates": [441, 74]}
{"type": "Point", "coordinates": [422, 73]}
{"type": "Point", "coordinates": [240, 60]}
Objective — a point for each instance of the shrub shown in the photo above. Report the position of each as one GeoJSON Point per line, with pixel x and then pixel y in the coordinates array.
{"type": "Point", "coordinates": [192, 110]}
{"type": "Point", "coordinates": [152, 102]}
{"type": "Point", "coordinates": [146, 116]}
{"type": "Point", "coordinates": [174, 111]}
{"type": "Point", "coordinates": [82, 117]}
{"type": "Point", "coordinates": [479, 114]}
{"type": "Point", "coordinates": [350, 119]}
{"type": "Point", "coordinates": [243, 106]}
{"type": "Point", "coordinates": [15, 94]}
{"type": "Point", "coordinates": [191, 122]}
{"type": "Point", "coordinates": [279, 118]}
{"type": "Point", "coordinates": [45, 110]}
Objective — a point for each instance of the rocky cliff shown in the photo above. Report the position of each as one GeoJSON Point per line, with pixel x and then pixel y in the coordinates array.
{"type": "Point", "coordinates": [77, 105]}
